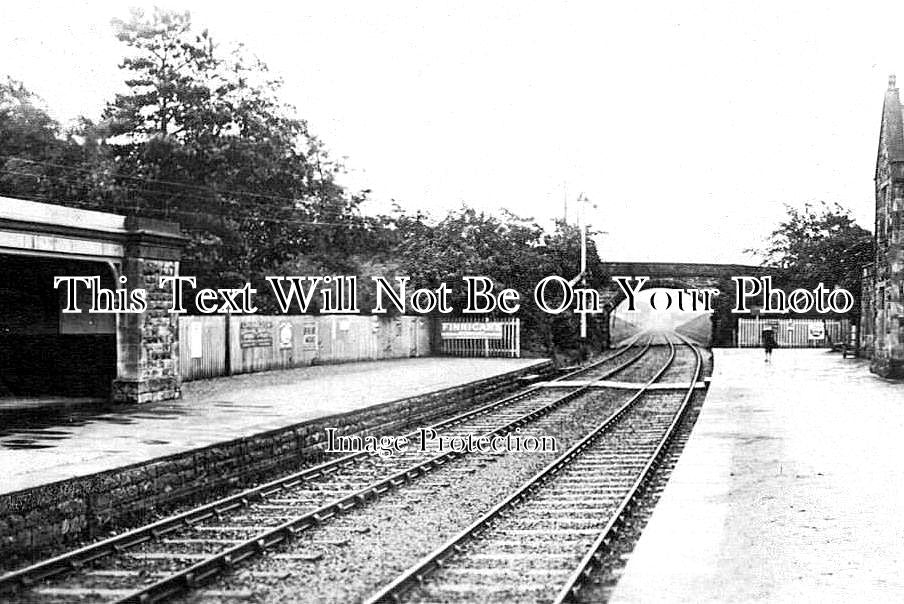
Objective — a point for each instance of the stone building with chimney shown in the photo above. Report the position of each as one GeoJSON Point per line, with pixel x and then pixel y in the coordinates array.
{"type": "Point", "coordinates": [882, 314]}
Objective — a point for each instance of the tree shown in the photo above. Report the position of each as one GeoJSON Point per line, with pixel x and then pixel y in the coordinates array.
{"type": "Point", "coordinates": [31, 143]}
{"type": "Point", "coordinates": [820, 244]}
{"type": "Point", "coordinates": [26, 129]}
{"type": "Point", "coordinates": [39, 159]}
{"type": "Point", "coordinates": [201, 137]}
{"type": "Point", "coordinates": [560, 254]}
{"type": "Point", "coordinates": [468, 242]}
{"type": "Point", "coordinates": [513, 251]}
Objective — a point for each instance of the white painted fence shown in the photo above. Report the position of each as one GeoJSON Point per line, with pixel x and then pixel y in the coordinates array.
{"type": "Point", "coordinates": [792, 333]}
{"type": "Point", "coordinates": [466, 337]}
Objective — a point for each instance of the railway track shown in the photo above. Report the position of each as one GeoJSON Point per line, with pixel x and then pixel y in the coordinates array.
{"type": "Point", "coordinates": [544, 541]}
{"type": "Point", "coordinates": [157, 561]}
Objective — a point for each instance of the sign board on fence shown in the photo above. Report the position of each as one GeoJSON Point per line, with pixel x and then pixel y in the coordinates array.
{"type": "Point", "coordinates": [816, 331]}
{"type": "Point", "coordinates": [309, 336]}
{"type": "Point", "coordinates": [472, 331]}
{"type": "Point", "coordinates": [255, 335]}
{"type": "Point", "coordinates": [195, 340]}
{"type": "Point", "coordinates": [285, 336]}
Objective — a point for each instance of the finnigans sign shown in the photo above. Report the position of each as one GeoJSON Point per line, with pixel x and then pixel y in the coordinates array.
{"type": "Point", "coordinates": [491, 330]}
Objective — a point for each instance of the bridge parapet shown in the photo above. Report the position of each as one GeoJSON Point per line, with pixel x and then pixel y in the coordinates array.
{"type": "Point", "coordinates": [677, 270]}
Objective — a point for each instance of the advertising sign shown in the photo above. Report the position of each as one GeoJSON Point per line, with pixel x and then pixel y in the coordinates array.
{"type": "Point", "coordinates": [256, 334]}
{"type": "Point", "coordinates": [816, 331]}
{"type": "Point", "coordinates": [309, 337]}
{"type": "Point", "coordinates": [491, 330]}
{"type": "Point", "coordinates": [195, 340]}
{"type": "Point", "coordinates": [285, 336]}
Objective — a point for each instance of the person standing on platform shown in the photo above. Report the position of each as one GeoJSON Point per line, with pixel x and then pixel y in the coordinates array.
{"type": "Point", "coordinates": [769, 343]}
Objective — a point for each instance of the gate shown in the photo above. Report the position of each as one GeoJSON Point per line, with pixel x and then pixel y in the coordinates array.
{"type": "Point", "coordinates": [792, 333]}
{"type": "Point", "coordinates": [465, 337]}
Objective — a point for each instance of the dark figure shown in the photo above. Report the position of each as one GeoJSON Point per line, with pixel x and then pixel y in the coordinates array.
{"type": "Point", "coordinates": [769, 343]}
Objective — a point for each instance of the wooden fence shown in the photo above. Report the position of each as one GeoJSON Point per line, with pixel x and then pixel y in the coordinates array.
{"type": "Point", "coordinates": [202, 347]}
{"type": "Point", "coordinates": [475, 337]}
{"type": "Point", "coordinates": [212, 346]}
{"type": "Point", "coordinates": [792, 333]}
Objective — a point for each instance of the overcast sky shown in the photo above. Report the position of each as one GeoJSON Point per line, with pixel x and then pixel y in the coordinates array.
{"type": "Point", "coordinates": [688, 124]}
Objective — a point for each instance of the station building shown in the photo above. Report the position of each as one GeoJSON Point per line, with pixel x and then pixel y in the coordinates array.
{"type": "Point", "coordinates": [882, 313]}
{"type": "Point", "coordinates": [47, 354]}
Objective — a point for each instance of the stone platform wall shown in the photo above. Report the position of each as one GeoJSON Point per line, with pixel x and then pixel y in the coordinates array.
{"type": "Point", "coordinates": [61, 513]}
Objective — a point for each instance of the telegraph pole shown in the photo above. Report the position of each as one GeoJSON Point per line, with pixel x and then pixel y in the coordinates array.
{"type": "Point", "coordinates": [565, 201]}
{"type": "Point", "coordinates": [582, 202]}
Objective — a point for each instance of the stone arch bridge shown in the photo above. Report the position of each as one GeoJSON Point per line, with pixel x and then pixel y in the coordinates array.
{"type": "Point", "coordinates": [681, 275]}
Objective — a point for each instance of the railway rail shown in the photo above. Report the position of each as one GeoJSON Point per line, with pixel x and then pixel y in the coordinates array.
{"type": "Point", "coordinates": [192, 547]}
{"type": "Point", "coordinates": [545, 540]}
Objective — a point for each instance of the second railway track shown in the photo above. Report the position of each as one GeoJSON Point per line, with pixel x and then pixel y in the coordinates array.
{"type": "Point", "coordinates": [542, 543]}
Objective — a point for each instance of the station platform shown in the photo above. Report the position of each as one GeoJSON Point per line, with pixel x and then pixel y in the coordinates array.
{"type": "Point", "coordinates": [51, 443]}
{"type": "Point", "coordinates": [788, 490]}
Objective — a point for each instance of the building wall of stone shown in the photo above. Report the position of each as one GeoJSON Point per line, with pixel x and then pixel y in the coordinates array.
{"type": "Point", "coordinates": [886, 347]}
{"type": "Point", "coordinates": [68, 241]}
{"type": "Point", "coordinates": [148, 342]}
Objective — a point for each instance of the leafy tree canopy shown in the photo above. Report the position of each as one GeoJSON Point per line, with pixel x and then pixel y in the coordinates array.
{"type": "Point", "coordinates": [514, 252]}
{"type": "Point", "coordinates": [819, 243]}
{"type": "Point", "coordinates": [222, 154]}
{"type": "Point", "coordinates": [198, 135]}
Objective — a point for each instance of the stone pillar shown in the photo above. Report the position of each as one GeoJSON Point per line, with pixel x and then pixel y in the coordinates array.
{"type": "Point", "coordinates": [148, 343]}
{"type": "Point", "coordinates": [865, 342]}
{"type": "Point", "coordinates": [895, 285]}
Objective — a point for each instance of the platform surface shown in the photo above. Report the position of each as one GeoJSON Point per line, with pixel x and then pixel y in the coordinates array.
{"type": "Point", "coordinates": [45, 445]}
{"type": "Point", "coordinates": [789, 489]}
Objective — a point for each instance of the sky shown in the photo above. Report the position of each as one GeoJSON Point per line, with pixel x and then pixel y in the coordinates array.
{"type": "Point", "coordinates": [688, 125]}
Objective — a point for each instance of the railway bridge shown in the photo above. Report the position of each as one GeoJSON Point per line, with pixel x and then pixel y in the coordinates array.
{"type": "Point", "coordinates": [683, 275]}
{"type": "Point", "coordinates": [47, 353]}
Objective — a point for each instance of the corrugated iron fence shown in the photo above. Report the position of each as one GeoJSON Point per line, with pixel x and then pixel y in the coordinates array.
{"type": "Point", "coordinates": [212, 346]}
{"type": "Point", "coordinates": [466, 337]}
{"type": "Point", "coordinates": [202, 347]}
{"type": "Point", "coordinates": [793, 333]}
